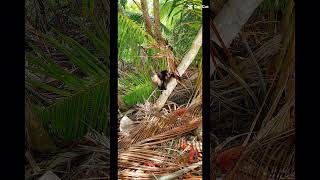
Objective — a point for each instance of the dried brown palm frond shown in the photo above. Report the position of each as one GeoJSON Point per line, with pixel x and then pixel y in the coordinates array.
{"type": "Point", "coordinates": [149, 160]}
{"type": "Point", "coordinates": [151, 148]}
{"type": "Point", "coordinates": [271, 154]}
{"type": "Point", "coordinates": [182, 171]}
{"type": "Point", "coordinates": [138, 159]}
{"type": "Point", "coordinates": [157, 126]}
{"type": "Point", "coordinates": [187, 88]}
{"type": "Point", "coordinates": [97, 164]}
{"type": "Point", "coordinates": [228, 97]}
{"type": "Point", "coordinates": [270, 157]}
{"type": "Point", "coordinates": [89, 159]}
{"type": "Point", "coordinates": [151, 151]}
{"type": "Point", "coordinates": [266, 149]}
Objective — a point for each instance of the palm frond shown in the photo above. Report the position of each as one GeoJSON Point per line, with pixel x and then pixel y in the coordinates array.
{"type": "Point", "coordinates": [74, 115]}
{"type": "Point", "coordinates": [131, 37]}
{"type": "Point", "coordinates": [142, 150]}
{"type": "Point", "coordinates": [268, 150]}
{"type": "Point", "coordinates": [80, 102]}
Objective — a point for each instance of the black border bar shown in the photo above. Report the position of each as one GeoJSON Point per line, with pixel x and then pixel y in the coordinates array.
{"type": "Point", "coordinates": [206, 89]}
{"type": "Point", "coordinates": [113, 89]}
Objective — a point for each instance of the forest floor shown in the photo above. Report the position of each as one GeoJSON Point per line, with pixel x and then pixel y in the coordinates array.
{"type": "Point", "coordinates": [165, 143]}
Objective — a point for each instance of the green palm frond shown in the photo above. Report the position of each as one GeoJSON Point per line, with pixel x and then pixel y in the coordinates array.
{"type": "Point", "coordinates": [135, 16]}
{"type": "Point", "coordinates": [183, 22]}
{"type": "Point", "coordinates": [138, 87]}
{"type": "Point", "coordinates": [123, 3]}
{"type": "Point", "coordinates": [81, 101]}
{"type": "Point", "coordinates": [131, 36]}
{"type": "Point", "coordinates": [71, 117]}
{"type": "Point", "coordinates": [172, 8]}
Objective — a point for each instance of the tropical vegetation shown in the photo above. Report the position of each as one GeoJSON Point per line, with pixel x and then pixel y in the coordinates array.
{"type": "Point", "coordinates": [160, 133]}
{"type": "Point", "coordinates": [67, 91]}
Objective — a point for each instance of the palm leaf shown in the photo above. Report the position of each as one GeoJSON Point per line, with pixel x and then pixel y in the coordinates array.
{"type": "Point", "coordinates": [84, 101]}
{"type": "Point", "coordinates": [138, 88]}
{"type": "Point", "coordinates": [131, 36]}
{"type": "Point", "coordinates": [70, 117]}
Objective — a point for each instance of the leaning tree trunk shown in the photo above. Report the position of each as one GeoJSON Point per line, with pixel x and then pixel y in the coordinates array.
{"type": "Point", "coordinates": [156, 33]}
{"type": "Point", "coordinates": [185, 63]}
{"type": "Point", "coordinates": [230, 20]}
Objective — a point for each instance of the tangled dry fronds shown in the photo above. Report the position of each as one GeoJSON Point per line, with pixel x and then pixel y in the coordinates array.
{"type": "Point", "coordinates": [88, 159]}
{"type": "Point", "coordinates": [253, 136]}
{"type": "Point", "coordinates": [162, 142]}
